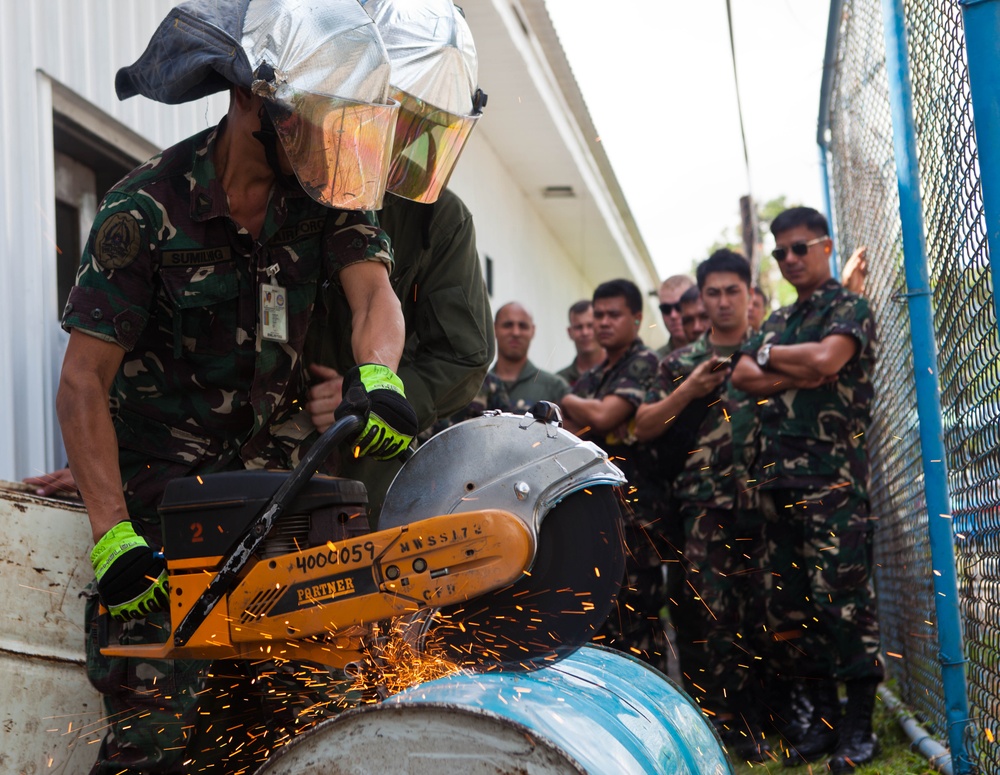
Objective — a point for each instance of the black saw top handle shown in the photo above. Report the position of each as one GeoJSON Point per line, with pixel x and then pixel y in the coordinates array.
{"type": "Point", "coordinates": [342, 430]}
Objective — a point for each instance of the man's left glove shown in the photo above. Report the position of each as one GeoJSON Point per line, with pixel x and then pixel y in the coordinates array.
{"type": "Point", "coordinates": [375, 392]}
{"type": "Point", "coordinates": [131, 577]}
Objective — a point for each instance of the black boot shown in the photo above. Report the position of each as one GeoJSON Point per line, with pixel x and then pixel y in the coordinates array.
{"type": "Point", "coordinates": [821, 736]}
{"type": "Point", "coordinates": [858, 744]}
{"type": "Point", "coordinates": [792, 712]}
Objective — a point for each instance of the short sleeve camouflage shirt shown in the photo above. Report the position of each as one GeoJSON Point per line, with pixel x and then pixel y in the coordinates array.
{"type": "Point", "coordinates": [815, 438]}
{"type": "Point", "coordinates": [172, 279]}
{"type": "Point", "coordinates": [715, 471]}
{"type": "Point", "coordinates": [630, 378]}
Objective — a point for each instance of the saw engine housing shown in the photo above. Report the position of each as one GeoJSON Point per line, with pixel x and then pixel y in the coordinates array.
{"type": "Point", "coordinates": [307, 580]}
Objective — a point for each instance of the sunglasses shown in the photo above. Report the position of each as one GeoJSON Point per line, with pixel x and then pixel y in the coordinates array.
{"type": "Point", "coordinates": [666, 307]}
{"type": "Point", "coordinates": [798, 248]}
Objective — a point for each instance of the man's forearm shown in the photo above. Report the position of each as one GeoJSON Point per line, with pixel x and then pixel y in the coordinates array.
{"type": "Point", "coordinates": [377, 329]}
{"type": "Point", "coordinates": [92, 449]}
{"type": "Point", "coordinates": [653, 419]}
{"type": "Point", "coordinates": [598, 414]}
{"type": "Point", "coordinates": [802, 361]}
{"type": "Point", "coordinates": [752, 379]}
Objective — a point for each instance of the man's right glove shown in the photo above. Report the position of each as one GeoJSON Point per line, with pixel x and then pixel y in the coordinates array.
{"type": "Point", "coordinates": [131, 578]}
{"type": "Point", "coordinates": [375, 392]}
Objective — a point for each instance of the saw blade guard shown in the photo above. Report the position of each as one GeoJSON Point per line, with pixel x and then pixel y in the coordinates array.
{"type": "Point", "coordinates": [565, 491]}
{"type": "Point", "coordinates": [516, 463]}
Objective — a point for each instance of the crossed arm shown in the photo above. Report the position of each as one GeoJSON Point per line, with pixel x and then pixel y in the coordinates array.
{"type": "Point", "coordinates": [803, 366]}
{"type": "Point", "coordinates": [600, 415]}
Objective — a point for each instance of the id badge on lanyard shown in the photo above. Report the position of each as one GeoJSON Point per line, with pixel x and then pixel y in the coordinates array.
{"type": "Point", "coordinates": [273, 309]}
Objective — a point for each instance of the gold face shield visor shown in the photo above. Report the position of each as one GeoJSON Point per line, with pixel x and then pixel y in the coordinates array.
{"type": "Point", "coordinates": [426, 148]}
{"type": "Point", "coordinates": [340, 150]}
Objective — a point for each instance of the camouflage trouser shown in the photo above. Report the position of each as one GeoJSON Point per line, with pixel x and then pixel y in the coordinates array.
{"type": "Point", "coordinates": [724, 558]}
{"type": "Point", "coordinates": [686, 621]}
{"type": "Point", "coordinates": [821, 607]}
{"type": "Point", "coordinates": [634, 625]}
{"type": "Point", "coordinates": [150, 706]}
{"type": "Point", "coordinates": [173, 717]}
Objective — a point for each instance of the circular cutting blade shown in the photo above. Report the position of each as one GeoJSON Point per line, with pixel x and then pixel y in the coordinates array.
{"type": "Point", "coordinates": [553, 609]}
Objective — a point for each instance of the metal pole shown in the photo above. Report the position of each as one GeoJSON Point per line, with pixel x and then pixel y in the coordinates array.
{"type": "Point", "coordinates": [918, 295]}
{"type": "Point", "coordinates": [981, 19]}
{"type": "Point", "coordinates": [823, 123]}
{"type": "Point", "coordinates": [824, 166]}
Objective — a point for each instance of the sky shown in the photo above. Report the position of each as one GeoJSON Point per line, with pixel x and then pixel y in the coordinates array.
{"type": "Point", "coordinates": [657, 76]}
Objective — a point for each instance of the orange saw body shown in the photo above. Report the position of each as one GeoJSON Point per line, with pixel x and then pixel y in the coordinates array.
{"type": "Point", "coordinates": [277, 564]}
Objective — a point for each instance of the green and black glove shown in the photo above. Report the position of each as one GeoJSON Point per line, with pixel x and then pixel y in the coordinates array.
{"type": "Point", "coordinates": [131, 577]}
{"type": "Point", "coordinates": [375, 392]}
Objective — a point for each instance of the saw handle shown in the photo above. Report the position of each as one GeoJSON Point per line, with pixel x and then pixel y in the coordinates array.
{"type": "Point", "coordinates": [345, 428]}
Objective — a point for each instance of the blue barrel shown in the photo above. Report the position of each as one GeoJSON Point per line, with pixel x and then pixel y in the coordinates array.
{"type": "Point", "coordinates": [597, 712]}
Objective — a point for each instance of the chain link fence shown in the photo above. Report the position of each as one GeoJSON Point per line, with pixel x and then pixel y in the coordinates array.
{"type": "Point", "coordinates": [865, 202]}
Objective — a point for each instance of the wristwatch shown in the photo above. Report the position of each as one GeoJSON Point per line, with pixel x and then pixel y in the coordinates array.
{"type": "Point", "coordinates": [764, 355]}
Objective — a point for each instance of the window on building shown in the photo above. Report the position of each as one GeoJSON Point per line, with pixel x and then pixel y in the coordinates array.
{"type": "Point", "coordinates": [86, 166]}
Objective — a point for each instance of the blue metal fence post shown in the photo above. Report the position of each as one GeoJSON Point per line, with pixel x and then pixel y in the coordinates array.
{"type": "Point", "coordinates": [823, 124]}
{"type": "Point", "coordinates": [941, 535]}
{"type": "Point", "coordinates": [824, 167]}
{"type": "Point", "coordinates": [981, 19]}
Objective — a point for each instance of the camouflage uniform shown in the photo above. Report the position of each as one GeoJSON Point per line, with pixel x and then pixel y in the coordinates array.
{"type": "Point", "coordinates": [721, 612]}
{"type": "Point", "coordinates": [571, 374]}
{"type": "Point", "coordinates": [449, 326]}
{"type": "Point", "coordinates": [812, 471]}
{"type": "Point", "coordinates": [664, 350]}
{"type": "Point", "coordinates": [635, 626]}
{"type": "Point", "coordinates": [169, 277]}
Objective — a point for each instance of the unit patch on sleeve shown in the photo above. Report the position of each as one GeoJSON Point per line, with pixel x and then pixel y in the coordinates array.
{"type": "Point", "coordinates": [117, 241]}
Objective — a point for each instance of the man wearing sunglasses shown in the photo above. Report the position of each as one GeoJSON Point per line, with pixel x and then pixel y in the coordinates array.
{"type": "Point", "coordinates": [671, 291]}
{"type": "Point", "coordinates": [811, 367]}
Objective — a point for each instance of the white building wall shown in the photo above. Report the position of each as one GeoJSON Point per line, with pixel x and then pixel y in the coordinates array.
{"type": "Point", "coordinates": [529, 265]}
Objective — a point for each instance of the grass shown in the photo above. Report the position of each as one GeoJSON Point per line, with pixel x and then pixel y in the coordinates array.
{"type": "Point", "coordinates": [896, 758]}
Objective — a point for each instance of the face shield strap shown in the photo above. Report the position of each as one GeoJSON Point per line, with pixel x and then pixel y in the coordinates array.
{"type": "Point", "coordinates": [267, 136]}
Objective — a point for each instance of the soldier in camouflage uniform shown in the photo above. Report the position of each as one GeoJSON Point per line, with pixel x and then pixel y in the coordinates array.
{"type": "Point", "coordinates": [601, 408]}
{"type": "Point", "coordinates": [190, 311]}
{"type": "Point", "coordinates": [694, 406]}
{"type": "Point", "coordinates": [811, 367]}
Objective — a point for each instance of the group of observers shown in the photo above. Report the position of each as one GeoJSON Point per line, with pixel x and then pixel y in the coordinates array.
{"type": "Point", "coordinates": [747, 517]}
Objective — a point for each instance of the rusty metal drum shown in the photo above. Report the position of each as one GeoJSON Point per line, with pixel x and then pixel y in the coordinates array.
{"type": "Point", "coordinates": [49, 712]}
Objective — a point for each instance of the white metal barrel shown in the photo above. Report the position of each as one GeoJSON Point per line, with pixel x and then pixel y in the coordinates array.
{"type": "Point", "coordinates": [49, 712]}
